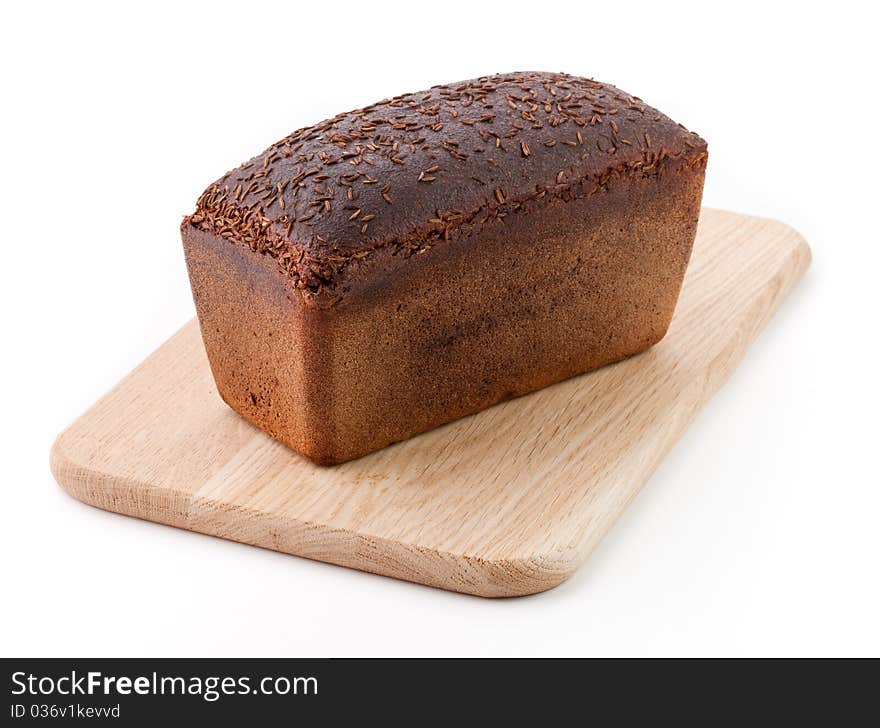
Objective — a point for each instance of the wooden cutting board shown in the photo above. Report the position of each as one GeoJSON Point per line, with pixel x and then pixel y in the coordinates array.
{"type": "Point", "coordinates": [506, 502]}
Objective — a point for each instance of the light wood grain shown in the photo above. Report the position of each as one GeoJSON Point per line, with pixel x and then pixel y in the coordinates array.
{"type": "Point", "coordinates": [507, 502]}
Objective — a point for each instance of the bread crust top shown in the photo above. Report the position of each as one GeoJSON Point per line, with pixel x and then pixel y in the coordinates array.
{"type": "Point", "coordinates": [426, 169]}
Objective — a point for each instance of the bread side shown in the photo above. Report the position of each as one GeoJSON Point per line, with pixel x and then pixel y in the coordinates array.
{"type": "Point", "coordinates": [584, 284]}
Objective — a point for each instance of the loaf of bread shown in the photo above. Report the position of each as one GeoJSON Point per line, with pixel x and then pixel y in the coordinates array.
{"type": "Point", "coordinates": [400, 266]}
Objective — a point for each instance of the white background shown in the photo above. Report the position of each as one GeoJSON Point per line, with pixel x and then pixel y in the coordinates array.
{"type": "Point", "coordinates": [757, 536]}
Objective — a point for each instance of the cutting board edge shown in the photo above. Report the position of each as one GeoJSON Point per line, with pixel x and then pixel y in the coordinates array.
{"type": "Point", "coordinates": [478, 576]}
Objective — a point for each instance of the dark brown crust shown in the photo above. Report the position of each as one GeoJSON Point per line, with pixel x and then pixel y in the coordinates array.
{"type": "Point", "coordinates": [435, 168]}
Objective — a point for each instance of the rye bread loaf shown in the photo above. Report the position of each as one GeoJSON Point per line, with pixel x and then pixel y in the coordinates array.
{"type": "Point", "coordinates": [400, 266]}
